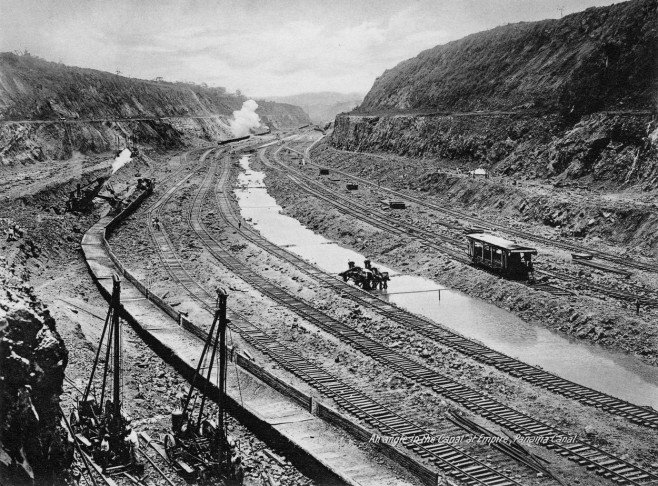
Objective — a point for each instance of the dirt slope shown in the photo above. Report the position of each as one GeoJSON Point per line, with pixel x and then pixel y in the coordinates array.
{"type": "Point", "coordinates": [91, 111]}
{"type": "Point", "coordinates": [601, 58]}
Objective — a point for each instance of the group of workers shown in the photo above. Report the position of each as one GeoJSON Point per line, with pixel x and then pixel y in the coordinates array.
{"type": "Point", "coordinates": [368, 278]}
{"type": "Point", "coordinates": [14, 233]}
{"type": "Point", "coordinates": [113, 442]}
{"type": "Point", "coordinates": [106, 455]}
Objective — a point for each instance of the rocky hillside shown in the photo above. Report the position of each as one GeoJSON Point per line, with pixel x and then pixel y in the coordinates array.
{"type": "Point", "coordinates": [34, 446]}
{"type": "Point", "coordinates": [83, 106]}
{"type": "Point", "coordinates": [602, 58]}
{"type": "Point", "coordinates": [573, 98]}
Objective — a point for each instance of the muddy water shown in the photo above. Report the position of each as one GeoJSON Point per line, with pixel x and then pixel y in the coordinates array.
{"type": "Point", "coordinates": [617, 374]}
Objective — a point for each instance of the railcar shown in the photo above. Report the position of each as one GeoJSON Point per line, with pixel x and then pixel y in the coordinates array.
{"type": "Point", "coordinates": [231, 140]}
{"type": "Point", "coordinates": [501, 255]}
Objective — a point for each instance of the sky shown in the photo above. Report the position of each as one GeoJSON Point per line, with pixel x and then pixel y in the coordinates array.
{"type": "Point", "coordinates": [260, 47]}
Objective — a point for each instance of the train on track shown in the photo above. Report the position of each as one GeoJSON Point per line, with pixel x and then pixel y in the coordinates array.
{"type": "Point", "coordinates": [231, 140]}
{"type": "Point", "coordinates": [500, 255]}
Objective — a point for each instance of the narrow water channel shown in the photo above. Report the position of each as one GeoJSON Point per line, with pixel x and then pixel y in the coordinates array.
{"type": "Point", "coordinates": [617, 374]}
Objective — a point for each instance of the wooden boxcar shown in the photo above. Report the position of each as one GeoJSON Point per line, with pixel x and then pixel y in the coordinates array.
{"type": "Point", "coordinates": [501, 255]}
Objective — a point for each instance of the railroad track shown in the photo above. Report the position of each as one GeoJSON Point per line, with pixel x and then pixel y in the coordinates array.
{"type": "Point", "coordinates": [449, 458]}
{"type": "Point", "coordinates": [572, 247]}
{"type": "Point", "coordinates": [427, 238]}
{"type": "Point", "coordinates": [442, 243]}
{"type": "Point", "coordinates": [637, 293]}
{"type": "Point", "coordinates": [91, 473]}
{"type": "Point", "coordinates": [645, 416]}
{"type": "Point", "coordinates": [595, 458]}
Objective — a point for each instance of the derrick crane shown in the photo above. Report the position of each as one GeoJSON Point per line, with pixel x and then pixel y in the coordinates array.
{"type": "Point", "coordinates": [102, 428]}
{"type": "Point", "coordinates": [199, 447]}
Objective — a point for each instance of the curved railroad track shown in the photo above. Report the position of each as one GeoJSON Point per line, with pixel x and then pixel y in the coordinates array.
{"type": "Point", "coordinates": [449, 458]}
{"type": "Point", "coordinates": [595, 458]}
{"type": "Point", "coordinates": [443, 243]}
{"type": "Point", "coordinates": [572, 247]}
{"type": "Point", "coordinates": [537, 376]}
{"type": "Point", "coordinates": [427, 238]}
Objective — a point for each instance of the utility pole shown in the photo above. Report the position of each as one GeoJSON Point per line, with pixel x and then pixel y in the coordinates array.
{"type": "Point", "coordinates": [221, 301]}
{"type": "Point", "coordinates": [116, 323]}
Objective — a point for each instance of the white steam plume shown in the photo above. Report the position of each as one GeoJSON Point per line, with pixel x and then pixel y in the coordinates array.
{"type": "Point", "coordinates": [245, 119]}
{"type": "Point", "coordinates": [122, 159]}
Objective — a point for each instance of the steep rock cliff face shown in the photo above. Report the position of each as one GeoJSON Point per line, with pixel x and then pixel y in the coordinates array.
{"type": "Point", "coordinates": [604, 148]}
{"type": "Point", "coordinates": [83, 106]}
{"type": "Point", "coordinates": [33, 358]}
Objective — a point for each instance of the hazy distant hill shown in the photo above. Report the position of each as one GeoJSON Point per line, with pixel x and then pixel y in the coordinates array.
{"type": "Point", "coordinates": [595, 59]}
{"type": "Point", "coordinates": [322, 106]}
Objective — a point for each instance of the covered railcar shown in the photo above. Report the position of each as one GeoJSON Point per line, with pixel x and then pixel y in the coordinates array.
{"type": "Point", "coordinates": [501, 255]}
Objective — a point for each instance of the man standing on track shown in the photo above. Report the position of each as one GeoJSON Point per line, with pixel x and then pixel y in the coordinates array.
{"type": "Point", "coordinates": [637, 307]}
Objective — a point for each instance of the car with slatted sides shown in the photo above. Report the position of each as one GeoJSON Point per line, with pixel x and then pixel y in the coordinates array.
{"type": "Point", "coordinates": [501, 256]}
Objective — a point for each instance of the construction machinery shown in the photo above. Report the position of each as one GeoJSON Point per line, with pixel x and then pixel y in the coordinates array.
{"type": "Point", "coordinates": [81, 199]}
{"type": "Point", "coordinates": [145, 184]}
{"type": "Point", "coordinates": [102, 429]}
{"type": "Point", "coordinates": [368, 278]}
{"type": "Point", "coordinates": [198, 445]}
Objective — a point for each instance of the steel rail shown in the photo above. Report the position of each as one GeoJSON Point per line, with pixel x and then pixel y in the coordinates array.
{"type": "Point", "coordinates": [645, 416]}
{"type": "Point", "coordinates": [648, 267]}
{"type": "Point", "coordinates": [603, 462]}
{"type": "Point", "coordinates": [449, 458]}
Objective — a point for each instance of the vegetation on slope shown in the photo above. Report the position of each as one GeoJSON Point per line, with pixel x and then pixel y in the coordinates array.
{"type": "Point", "coordinates": [602, 58]}
{"type": "Point", "coordinates": [31, 88]}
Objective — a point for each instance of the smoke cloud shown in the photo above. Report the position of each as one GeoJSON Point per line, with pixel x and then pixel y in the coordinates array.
{"type": "Point", "coordinates": [121, 160]}
{"type": "Point", "coordinates": [245, 119]}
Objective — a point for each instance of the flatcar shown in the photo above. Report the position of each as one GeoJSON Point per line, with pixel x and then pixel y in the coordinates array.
{"type": "Point", "coordinates": [501, 255]}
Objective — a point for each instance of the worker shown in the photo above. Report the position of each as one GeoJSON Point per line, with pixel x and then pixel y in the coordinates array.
{"type": "Point", "coordinates": [637, 307]}
{"type": "Point", "coordinates": [105, 452]}
{"type": "Point", "coordinates": [237, 473]}
{"type": "Point", "coordinates": [109, 415]}
{"type": "Point", "coordinates": [133, 443]}
{"type": "Point", "coordinates": [11, 236]}
{"type": "Point", "coordinates": [156, 223]}
{"type": "Point", "coordinates": [76, 474]}
{"type": "Point", "coordinates": [366, 263]}
{"type": "Point", "coordinates": [239, 223]}
{"type": "Point", "coordinates": [350, 264]}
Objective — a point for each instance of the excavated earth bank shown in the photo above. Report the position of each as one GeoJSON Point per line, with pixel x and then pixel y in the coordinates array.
{"type": "Point", "coordinates": [389, 387]}
{"type": "Point", "coordinates": [607, 322]}
{"type": "Point", "coordinates": [47, 259]}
